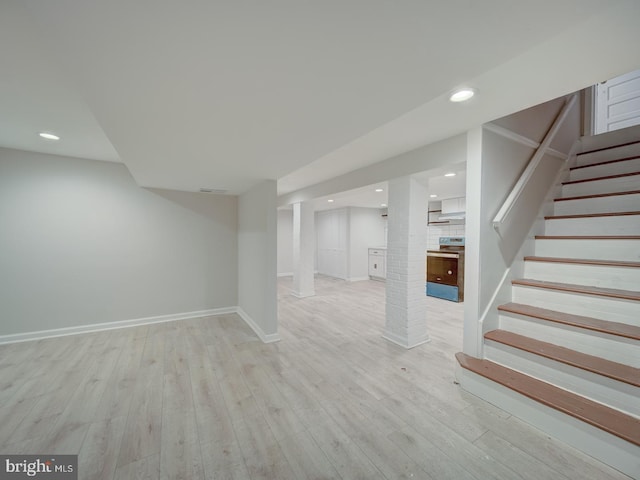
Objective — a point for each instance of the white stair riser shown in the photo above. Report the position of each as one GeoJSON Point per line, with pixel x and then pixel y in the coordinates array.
{"type": "Point", "coordinates": [610, 347]}
{"type": "Point", "coordinates": [610, 154]}
{"type": "Point", "coordinates": [628, 166]}
{"type": "Point", "coordinates": [614, 225]}
{"type": "Point", "coordinates": [611, 185]}
{"type": "Point", "coordinates": [607, 308]}
{"type": "Point", "coordinates": [617, 203]}
{"type": "Point", "coordinates": [613, 393]}
{"type": "Point", "coordinates": [604, 276]}
{"type": "Point", "coordinates": [599, 444]}
{"type": "Point", "coordinates": [587, 248]}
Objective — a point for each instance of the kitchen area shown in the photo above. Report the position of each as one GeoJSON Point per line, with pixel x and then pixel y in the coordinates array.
{"type": "Point", "coordinates": [444, 263]}
{"type": "Point", "coordinates": [351, 231]}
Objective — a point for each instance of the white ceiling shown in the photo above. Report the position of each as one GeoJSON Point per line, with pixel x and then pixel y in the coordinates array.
{"type": "Point", "coordinates": [222, 94]}
{"type": "Point", "coordinates": [435, 180]}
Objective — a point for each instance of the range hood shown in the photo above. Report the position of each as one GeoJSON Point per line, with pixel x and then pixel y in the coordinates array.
{"type": "Point", "coordinates": [452, 216]}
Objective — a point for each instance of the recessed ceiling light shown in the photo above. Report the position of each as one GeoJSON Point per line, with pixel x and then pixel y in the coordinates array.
{"type": "Point", "coordinates": [383, 204]}
{"type": "Point", "coordinates": [379, 190]}
{"type": "Point", "coordinates": [330, 200]}
{"type": "Point", "coordinates": [462, 95]}
{"type": "Point", "coordinates": [433, 195]}
{"type": "Point", "coordinates": [450, 174]}
{"type": "Point", "coordinates": [49, 136]}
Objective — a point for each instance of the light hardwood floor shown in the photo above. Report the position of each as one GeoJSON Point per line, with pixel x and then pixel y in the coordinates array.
{"type": "Point", "coordinates": [205, 398]}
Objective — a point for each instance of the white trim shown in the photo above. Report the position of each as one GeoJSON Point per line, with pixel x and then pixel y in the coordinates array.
{"type": "Point", "coordinates": [303, 294]}
{"type": "Point", "coordinates": [542, 150]}
{"type": "Point", "coordinates": [285, 274]}
{"type": "Point", "coordinates": [99, 327]}
{"type": "Point", "coordinates": [552, 152]}
{"type": "Point", "coordinates": [401, 341]}
{"type": "Point", "coordinates": [358, 279]}
{"type": "Point", "coordinates": [511, 135]}
{"type": "Point", "coordinates": [522, 140]}
{"type": "Point", "coordinates": [266, 338]}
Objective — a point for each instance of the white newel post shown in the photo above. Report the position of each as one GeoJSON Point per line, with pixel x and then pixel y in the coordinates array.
{"type": "Point", "coordinates": [406, 308]}
{"type": "Point", "coordinates": [303, 249]}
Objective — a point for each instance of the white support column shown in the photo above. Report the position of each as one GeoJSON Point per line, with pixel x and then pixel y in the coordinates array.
{"type": "Point", "coordinates": [472, 342]}
{"type": "Point", "coordinates": [303, 249]}
{"type": "Point", "coordinates": [406, 307]}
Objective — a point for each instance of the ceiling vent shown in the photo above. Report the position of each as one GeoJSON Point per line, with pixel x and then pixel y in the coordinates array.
{"type": "Point", "coordinates": [213, 190]}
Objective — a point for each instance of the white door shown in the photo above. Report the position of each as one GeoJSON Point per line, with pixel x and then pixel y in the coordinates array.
{"type": "Point", "coordinates": [331, 236]}
{"type": "Point", "coordinates": [618, 103]}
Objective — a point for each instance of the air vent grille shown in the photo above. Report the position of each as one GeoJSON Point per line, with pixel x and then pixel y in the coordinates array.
{"type": "Point", "coordinates": [212, 190]}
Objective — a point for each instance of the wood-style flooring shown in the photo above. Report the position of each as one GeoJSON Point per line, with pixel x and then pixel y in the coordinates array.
{"type": "Point", "coordinates": [204, 398]}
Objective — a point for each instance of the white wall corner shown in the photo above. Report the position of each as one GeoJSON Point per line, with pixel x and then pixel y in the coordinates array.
{"type": "Point", "coordinates": [100, 327]}
{"type": "Point", "coordinates": [266, 338]}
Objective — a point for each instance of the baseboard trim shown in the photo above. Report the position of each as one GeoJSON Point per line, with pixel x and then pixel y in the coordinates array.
{"type": "Point", "coordinates": [357, 279]}
{"type": "Point", "coordinates": [266, 338]}
{"type": "Point", "coordinates": [303, 294]}
{"type": "Point", "coordinates": [99, 327]}
{"type": "Point", "coordinates": [393, 338]}
{"type": "Point", "coordinates": [285, 274]}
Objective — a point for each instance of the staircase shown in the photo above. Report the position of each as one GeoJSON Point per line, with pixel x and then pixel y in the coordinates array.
{"type": "Point", "coordinates": [566, 355]}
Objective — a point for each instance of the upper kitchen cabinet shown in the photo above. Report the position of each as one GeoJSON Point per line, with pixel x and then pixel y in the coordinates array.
{"type": "Point", "coordinates": [453, 210]}
{"type": "Point", "coordinates": [454, 205]}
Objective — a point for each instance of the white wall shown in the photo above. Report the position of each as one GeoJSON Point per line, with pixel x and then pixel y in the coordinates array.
{"type": "Point", "coordinates": [285, 242]}
{"type": "Point", "coordinates": [344, 236]}
{"type": "Point", "coordinates": [257, 263]}
{"type": "Point", "coordinates": [366, 230]}
{"type": "Point", "coordinates": [81, 243]}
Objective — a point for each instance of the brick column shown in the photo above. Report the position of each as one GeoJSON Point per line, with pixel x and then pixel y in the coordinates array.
{"type": "Point", "coordinates": [406, 308]}
{"type": "Point", "coordinates": [303, 249]}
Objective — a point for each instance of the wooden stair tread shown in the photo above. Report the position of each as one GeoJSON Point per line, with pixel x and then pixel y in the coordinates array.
{"type": "Point", "coordinates": [591, 215]}
{"type": "Point", "coordinates": [587, 237]}
{"type": "Point", "coordinates": [609, 148]}
{"type": "Point", "coordinates": [600, 416]}
{"type": "Point", "coordinates": [600, 366]}
{"type": "Point", "coordinates": [606, 177]}
{"type": "Point", "coordinates": [588, 323]}
{"type": "Point", "coordinates": [597, 195]}
{"type": "Point", "coordinates": [607, 162]}
{"type": "Point", "coordinates": [584, 261]}
{"type": "Point", "coordinates": [584, 289]}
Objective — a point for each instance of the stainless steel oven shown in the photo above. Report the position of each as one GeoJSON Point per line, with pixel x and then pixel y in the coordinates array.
{"type": "Point", "coordinates": [445, 270]}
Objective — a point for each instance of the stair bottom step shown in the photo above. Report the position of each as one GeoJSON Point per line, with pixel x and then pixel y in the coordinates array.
{"type": "Point", "coordinates": [598, 415]}
{"type": "Point", "coordinates": [606, 434]}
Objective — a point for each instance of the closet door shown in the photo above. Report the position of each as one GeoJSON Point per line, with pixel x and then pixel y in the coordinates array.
{"type": "Point", "coordinates": [331, 232]}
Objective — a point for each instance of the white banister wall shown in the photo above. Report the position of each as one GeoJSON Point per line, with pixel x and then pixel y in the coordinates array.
{"type": "Point", "coordinates": [497, 156]}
